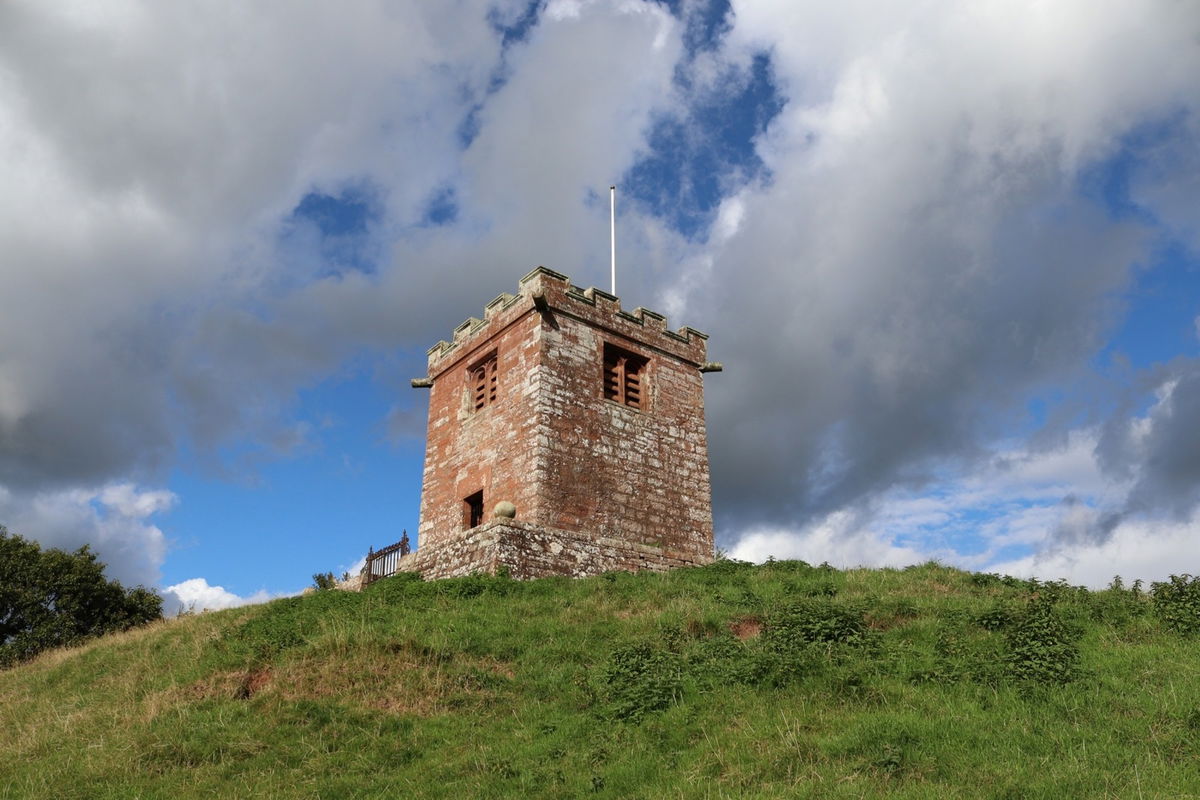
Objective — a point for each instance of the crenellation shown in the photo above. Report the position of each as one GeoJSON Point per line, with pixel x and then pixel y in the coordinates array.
{"type": "Point", "coordinates": [502, 302]}
{"type": "Point", "coordinates": [593, 305]}
{"type": "Point", "coordinates": [469, 326]}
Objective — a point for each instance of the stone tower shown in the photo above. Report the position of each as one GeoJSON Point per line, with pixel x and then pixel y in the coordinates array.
{"type": "Point", "coordinates": [566, 437]}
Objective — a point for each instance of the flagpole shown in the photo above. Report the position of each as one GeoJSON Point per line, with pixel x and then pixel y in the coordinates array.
{"type": "Point", "coordinates": [612, 197]}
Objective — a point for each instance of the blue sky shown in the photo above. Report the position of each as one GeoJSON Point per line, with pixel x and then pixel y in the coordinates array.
{"type": "Point", "coordinates": [950, 255]}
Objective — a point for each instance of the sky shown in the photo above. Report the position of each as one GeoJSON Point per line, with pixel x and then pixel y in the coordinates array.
{"type": "Point", "coordinates": [948, 251]}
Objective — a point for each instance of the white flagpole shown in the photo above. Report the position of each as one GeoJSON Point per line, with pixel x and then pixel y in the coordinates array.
{"type": "Point", "coordinates": [612, 197]}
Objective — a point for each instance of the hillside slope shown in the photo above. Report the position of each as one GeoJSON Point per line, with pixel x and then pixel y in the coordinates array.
{"type": "Point", "coordinates": [782, 680]}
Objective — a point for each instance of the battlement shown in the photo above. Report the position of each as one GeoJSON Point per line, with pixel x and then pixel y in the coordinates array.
{"type": "Point", "coordinates": [546, 291]}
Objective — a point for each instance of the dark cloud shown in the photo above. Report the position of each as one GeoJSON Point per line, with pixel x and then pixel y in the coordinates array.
{"type": "Point", "coordinates": [860, 364]}
{"type": "Point", "coordinates": [923, 260]}
{"type": "Point", "coordinates": [1158, 453]}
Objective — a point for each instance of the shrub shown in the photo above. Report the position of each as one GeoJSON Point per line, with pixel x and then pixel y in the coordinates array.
{"type": "Point", "coordinates": [723, 660]}
{"type": "Point", "coordinates": [816, 621]}
{"type": "Point", "coordinates": [990, 580]}
{"type": "Point", "coordinates": [724, 566]}
{"type": "Point", "coordinates": [966, 650]}
{"type": "Point", "coordinates": [1117, 605]}
{"type": "Point", "coordinates": [639, 680]}
{"type": "Point", "coordinates": [996, 618]}
{"type": "Point", "coordinates": [1177, 603]}
{"type": "Point", "coordinates": [1041, 646]}
{"type": "Point", "coordinates": [787, 565]}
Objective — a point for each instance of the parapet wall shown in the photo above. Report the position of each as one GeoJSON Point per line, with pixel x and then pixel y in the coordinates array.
{"type": "Point", "coordinates": [545, 288]}
{"type": "Point", "coordinates": [533, 551]}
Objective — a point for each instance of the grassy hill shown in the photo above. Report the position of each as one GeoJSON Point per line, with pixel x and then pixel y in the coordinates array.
{"type": "Point", "coordinates": [782, 680]}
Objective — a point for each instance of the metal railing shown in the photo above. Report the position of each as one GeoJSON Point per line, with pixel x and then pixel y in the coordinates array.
{"type": "Point", "coordinates": [385, 562]}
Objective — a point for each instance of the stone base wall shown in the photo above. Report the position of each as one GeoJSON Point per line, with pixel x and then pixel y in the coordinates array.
{"type": "Point", "coordinates": [532, 551]}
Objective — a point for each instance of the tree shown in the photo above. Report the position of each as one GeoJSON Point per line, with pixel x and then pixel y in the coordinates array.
{"type": "Point", "coordinates": [51, 598]}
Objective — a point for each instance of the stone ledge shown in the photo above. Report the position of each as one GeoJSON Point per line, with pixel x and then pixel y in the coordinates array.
{"type": "Point", "coordinates": [532, 551]}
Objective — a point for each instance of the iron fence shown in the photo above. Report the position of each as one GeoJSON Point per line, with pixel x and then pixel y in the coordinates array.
{"type": "Point", "coordinates": [385, 562]}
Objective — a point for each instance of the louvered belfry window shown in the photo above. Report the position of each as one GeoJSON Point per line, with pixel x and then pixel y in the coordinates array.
{"type": "Point", "coordinates": [482, 378]}
{"type": "Point", "coordinates": [624, 377]}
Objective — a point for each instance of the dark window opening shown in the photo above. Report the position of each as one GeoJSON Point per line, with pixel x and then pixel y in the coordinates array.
{"type": "Point", "coordinates": [624, 377]}
{"type": "Point", "coordinates": [483, 382]}
{"type": "Point", "coordinates": [473, 510]}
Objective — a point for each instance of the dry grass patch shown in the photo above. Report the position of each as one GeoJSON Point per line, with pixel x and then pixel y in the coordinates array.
{"type": "Point", "coordinates": [397, 679]}
{"type": "Point", "coordinates": [744, 628]}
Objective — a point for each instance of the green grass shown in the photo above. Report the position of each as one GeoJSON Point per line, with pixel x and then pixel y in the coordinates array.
{"type": "Point", "coordinates": [782, 680]}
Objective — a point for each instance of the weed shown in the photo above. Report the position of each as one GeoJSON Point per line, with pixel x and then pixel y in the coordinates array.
{"type": "Point", "coordinates": [990, 580]}
{"type": "Point", "coordinates": [996, 618]}
{"type": "Point", "coordinates": [786, 565]}
{"type": "Point", "coordinates": [1177, 603]}
{"type": "Point", "coordinates": [1117, 605]}
{"type": "Point", "coordinates": [816, 621]}
{"type": "Point", "coordinates": [640, 680]}
{"type": "Point", "coordinates": [891, 760]}
{"type": "Point", "coordinates": [724, 660]}
{"type": "Point", "coordinates": [964, 653]}
{"type": "Point", "coordinates": [1042, 647]}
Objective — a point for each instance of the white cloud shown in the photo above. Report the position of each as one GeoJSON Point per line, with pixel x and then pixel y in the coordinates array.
{"type": "Point", "coordinates": [129, 501]}
{"type": "Point", "coordinates": [1148, 549]}
{"type": "Point", "coordinates": [112, 519]}
{"type": "Point", "coordinates": [148, 176]}
{"type": "Point", "coordinates": [148, 295]}
{"type": "Point", "coordinates": [195, 594]}
{"type": "Point", "coordinates": [839, 539]}
{"type": "Point", "coordinates": [1047, 513]}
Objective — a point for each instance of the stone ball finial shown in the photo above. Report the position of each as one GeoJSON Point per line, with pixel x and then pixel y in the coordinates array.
{"type": "Point", "coordinates": [504, 510]}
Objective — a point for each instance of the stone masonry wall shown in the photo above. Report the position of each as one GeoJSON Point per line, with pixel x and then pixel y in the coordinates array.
{"type": "Point", "coordinates": [490, 449]}
{"type": "Point", "coordinates": [532, 551]}
{"type": "Point", "coordinates": [573, 463]}
{"type": "Point", "coordinates": [637, 475]}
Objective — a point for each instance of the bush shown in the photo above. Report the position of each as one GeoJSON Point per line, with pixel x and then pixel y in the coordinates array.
{"type": "Point", "coordinates": [51, 598]}
{"type": "Point", "coordinates": [722, 660]}
{"type": "Point", "coordinates": [990, 580]}
{"type": "Point", "coordinates": [996, 618]}
{"type": "Point", "coordinates": [816, 621]}
{"type": "Point", "coordinates": [1117, 605]}
{"type": "Point", "coordinates": [1177, 603]}
{"type": "Point", "coordinates": [639, 679]}
{"type": "Point", "coordinates": [1041, 646]}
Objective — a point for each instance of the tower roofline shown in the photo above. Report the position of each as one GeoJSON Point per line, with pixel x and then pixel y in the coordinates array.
{"type": "Point", "coordinates": [543, 288]}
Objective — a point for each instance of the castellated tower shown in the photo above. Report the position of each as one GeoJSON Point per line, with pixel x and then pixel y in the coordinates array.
{"type": "Point", "coordinates": [566, 437]}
